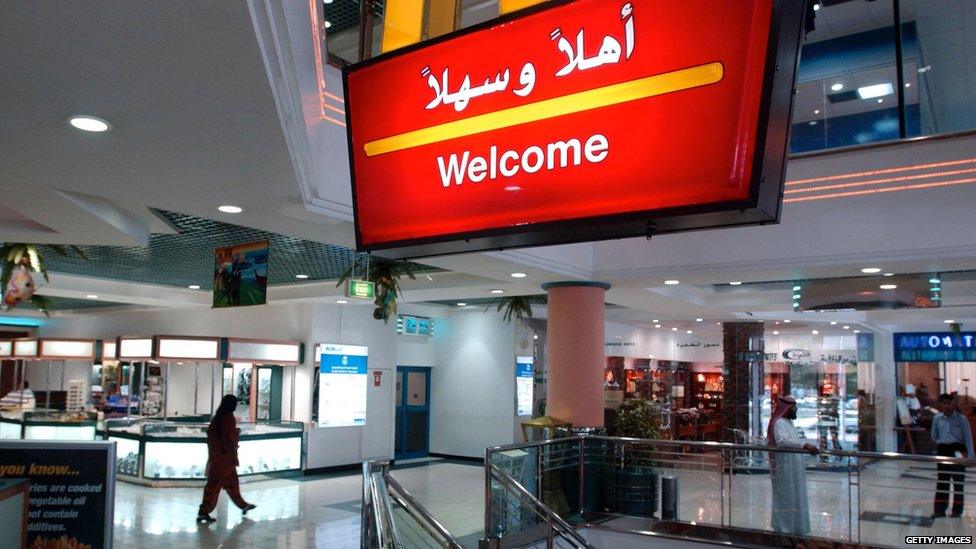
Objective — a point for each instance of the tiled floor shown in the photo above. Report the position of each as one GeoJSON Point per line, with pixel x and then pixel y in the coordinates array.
{"type": "Point", "coordinates": [324, 511]}
{"type": "Point", "coordinates": [306, 512]}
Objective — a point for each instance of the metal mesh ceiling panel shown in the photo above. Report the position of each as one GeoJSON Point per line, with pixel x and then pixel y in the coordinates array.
{"type": "Point", "coordinates": [187, 257]}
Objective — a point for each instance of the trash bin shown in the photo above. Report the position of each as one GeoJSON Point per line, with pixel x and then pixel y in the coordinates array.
{"type": "Point", "coordinates": [669, 497]}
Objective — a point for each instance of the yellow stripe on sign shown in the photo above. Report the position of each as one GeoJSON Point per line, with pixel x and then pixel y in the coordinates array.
{"type": "Point", "coordinates": [659, 84]}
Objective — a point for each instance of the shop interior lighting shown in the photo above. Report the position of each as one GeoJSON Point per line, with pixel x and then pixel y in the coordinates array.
{"type": "Point", "coordinates": [908, 84]}
{"type": "Point", "coordinates": [875, 90]}
{"type": "Point", "coordinates": [870, 270]}
{"type": "Point", "coordinates": [689, 332]}
{"type": "Point", "coordinates": [836, 86]}
{"type": "Point", "coordinates": [328, 24]}
{"type": "Point", "coordinates": [815, 332]}
{"type": "Point", "coordinates": [833, 322]}
{"type": "Point", "coordinates": [881, 100]}
{"type": "Point", "coordinates": [301, 276]}
{"type": "Point", "coordinates": [797, 288]}
{"type": "Point", "coordinates": [888, 286]}
{"type": "Point", "coordinates": [787, 321]}
{"type": "Point", "coordinates": [816, 111]}
{"type": "Point", "coordinates": [672, 282]}
{"type": "Point", "coordinates": [91, 296]}
{"type": "Point", "coordinates": [461, 304]}
{"type": "Point", "coordinates": [775, 332]}
{"type": "Point", "coordinates": [847, 327]}
{"type": "Point", "coordinates": [518, 275]}
{"type": "Point", "coordinates": [857, 331]}
{"type": "Point", "coordinates": [655, 321]}
{"type": "Point", "coordinates": [89, 123]}
{"type": "Point", "coordinates": [935, 280]}
{"type": "Point", "coordinates": [497, 291]}
{"type": "Point", "coordinates": [889, 274]}
{"type": "Point", "coordinates": [736, 283]}
{"type": "Point", "coordinates": [816, 7]}
{"type": "Point", "coordinates": [949, 321]}
{"type": "Point", "coordinates": [194, 286]}
{"type": "Point", "coordinates": [230, 209]}
{"type": "Point", "coordinates": [657, 325]}
{"type": "Point", "coordinates": [674, 329]}
{"type": "Point", "coordinates": [797, 296]}
{"type": "Point", "coordinates": [535, 336]}
{"type": "Point", "coordinates": [698, 320]}
{"type": "Point", "coordinates": [341, 301]}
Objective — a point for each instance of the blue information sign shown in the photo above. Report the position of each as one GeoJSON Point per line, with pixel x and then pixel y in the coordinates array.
{"type": "Point", "coordinates": [935, 347]}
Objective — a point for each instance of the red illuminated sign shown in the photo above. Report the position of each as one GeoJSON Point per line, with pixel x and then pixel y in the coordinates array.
{"type": "Point", "coordinates": [579, 120]}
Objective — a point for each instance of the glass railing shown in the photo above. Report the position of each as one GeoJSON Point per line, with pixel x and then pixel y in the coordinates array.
{"type": "Point", "coordinates": [717, 492]}
{"type": "Point", "coordinates": [393, 519]}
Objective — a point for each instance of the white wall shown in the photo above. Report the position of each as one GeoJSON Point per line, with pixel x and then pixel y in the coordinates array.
{"type": "Point", "coordinates": [472, 384]}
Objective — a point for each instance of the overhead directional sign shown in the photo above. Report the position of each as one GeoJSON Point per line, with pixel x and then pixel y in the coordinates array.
{"type": "Point", "coordinates": [578, 120]}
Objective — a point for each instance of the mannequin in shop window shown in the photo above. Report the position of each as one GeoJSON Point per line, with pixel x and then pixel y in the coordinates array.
{"type": "Point", "coordinates": [787, 471]}
{"type": "Point", "coordinates": [222, 462]}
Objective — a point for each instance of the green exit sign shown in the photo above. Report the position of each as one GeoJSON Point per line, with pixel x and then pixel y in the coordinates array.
{"type": "Point", "coordinates": [360, 289]}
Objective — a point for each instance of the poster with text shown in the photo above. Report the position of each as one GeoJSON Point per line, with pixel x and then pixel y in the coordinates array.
{"type": "Point", "coordinates": [523, 385]}
{"type": "Point", "coordinates": [68, 488]}
{"type": "Point", "coordinates": [342, 385]}
{"type": "Point", "coordinates": [241, 275]}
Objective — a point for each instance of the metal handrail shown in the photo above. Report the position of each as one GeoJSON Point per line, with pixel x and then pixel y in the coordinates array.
{"type": "Point", "coordinates": [420, 513]}
{"type": "Point", "coordinates": [552, 519]}
{"type": "Point", "coordinates": [377, 528]}
{"type": "Point", "coordinates": [731, 446]}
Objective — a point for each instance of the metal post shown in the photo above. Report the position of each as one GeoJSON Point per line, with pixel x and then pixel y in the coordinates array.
{"type": "Point", "coordinates": [294, 374]}
{"type": "Point", "coordinates": [581, 505]}
{"type": "Point", "coordinates": [213, 370]}
{"type": "Point", "coordinates": [549, 540]}
{"type": "Point", "coordinates": [900, 71]}
{"type": "Point", "coordinates": [196, 386]}
{"type": "Point", "coordinates": [166, 394]}
{"type": "Point", "coordinates": [128, 399]}
{"type": "Point", "coordinates": [47, 386]}
{"type": "Point", "coordinates": [488, 498]}
{"type": "Point", "coordinates": [64, 369]}
{"type": "Point", "coordinates": [142, 390]}
{"type": "Point", "coordinates": [19, 384]}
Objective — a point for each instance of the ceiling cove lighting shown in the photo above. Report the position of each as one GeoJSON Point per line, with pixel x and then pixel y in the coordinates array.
{"type": "Point", "coordinates": [672, 282]}
{"type": "Point", "coordinates": [875, 90]}
{"type": "Point", "coordinates": [736, 283]}
{"type": "Point", "coordinates": [89, 123]}
{"type": "Point", "coordinates": [870, 270]}
{"type": "Point", "coordinates": [518, 275]}
{"type": "Point", "coordinates": [230, 209]}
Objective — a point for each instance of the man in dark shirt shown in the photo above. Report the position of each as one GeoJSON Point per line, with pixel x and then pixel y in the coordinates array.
{"type": "Point", "coordinates": [951, 434]}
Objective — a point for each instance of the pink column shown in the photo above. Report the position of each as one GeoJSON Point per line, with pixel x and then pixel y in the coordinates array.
{"type": "Point", "coordinates": [575, 355]}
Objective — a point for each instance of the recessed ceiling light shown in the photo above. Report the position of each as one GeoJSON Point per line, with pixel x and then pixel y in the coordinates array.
{"type": "Point", "coordinates": [718, 323]}
{"type": "Point", "coordinates": [461, 304]}
{"type": "Point", "coordinates": [230, 209]}
{"type": "Point", "coordinates": [91, 296]}
{"type": "Point", "coordinates": [881, 100]}
{"type": "Point", "coordinates": [925, 69]}
{"type": "Point", "coordinates": [949, 321]}
{"type": "Point", "coordinates": [816, 111]}
{"type": "Point", "coordinates": [689, 332]}
{"type": "Point", "coordinates": [888, 286]}
{"type": "Point", "coordinates": [535, 336]}
{"type": "Point", "coordinates": [698, 320]}
{"type": "Point", "coordinates": [328, 24]}
{"type": "Point", "coordinates": [797, 288]}
{"type": "Point", "coordinates": [674, 329]}
{"type": "Point", "coordinates": [908, 84]}
{"type": "Point", "coordinates": [837, 86]}
{"type": "Point", "coordinates": [775, 332]}
{"type": "Point", "coordinates": [497, 291]}
{"type": "Point", "coordinates": [935, 280]}
{"type": "Point", "coordinates": [657, 325]}
{"type": "Point", "coordinates": [194, 286]}
{"type": "Point", "coordinates": [875, 90]}
{"type": "Point", "coordinates": [518, 275]}
{"type": "Point", "coordinates": [815, 332]}
{"type": "Point", "coordinates": [847, 327]}
{"type": "Point", "coordinates": [816, 7]}
{"type": "Point", "coordinates": [301, 276]}
{"type": "Point", "coordinates": [833, 322]}
{"type": "Point", "coordinates": [341, 301]}
{"type": "Point", "coordinates": [89, 123]}
{"type": "Point", "coordinates": [672, 282]}
{"type": "Point", "coordinates": [787, 321]}
{"type": "Point", "coordinates": [735, 283]}
{"type": "Point", "coordinates": [870, 270]}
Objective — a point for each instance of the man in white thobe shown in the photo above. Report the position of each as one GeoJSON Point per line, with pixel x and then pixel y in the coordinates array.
{"type": "Point", "coordinates": [787, 471]}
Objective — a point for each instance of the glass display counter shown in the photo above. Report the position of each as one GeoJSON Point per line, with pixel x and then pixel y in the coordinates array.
{"type": "Point", "coordinates": [167, 453]}
{"type": "Point", "coordinates": [48, 425]}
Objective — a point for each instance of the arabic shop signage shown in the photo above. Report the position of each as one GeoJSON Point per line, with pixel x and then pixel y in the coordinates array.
{"type": "Point", "coordinates": [571, 121]}
{"type": "Point", "coordinates": [935, 347]}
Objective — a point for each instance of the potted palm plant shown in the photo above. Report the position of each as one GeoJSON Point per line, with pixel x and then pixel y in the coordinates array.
{"type": "Point", "coordinates": [637, 479]}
